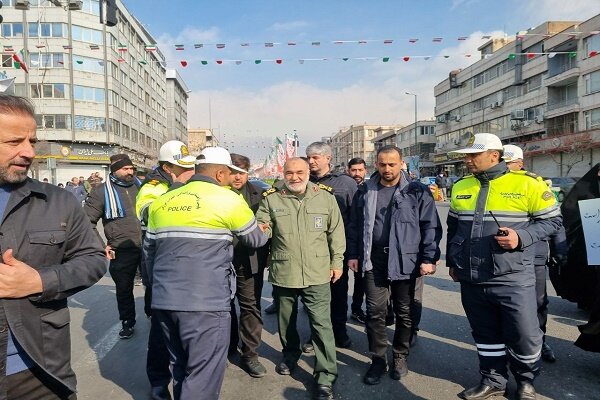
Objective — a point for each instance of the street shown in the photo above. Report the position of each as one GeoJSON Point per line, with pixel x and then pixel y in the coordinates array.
{"type": "Point", "coordinates": [442, 363]}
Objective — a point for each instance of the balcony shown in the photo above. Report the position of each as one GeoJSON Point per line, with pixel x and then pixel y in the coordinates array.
{"type": "Point", "coordinates": [555, 108]}
{"type": "Point", "coordinates": [562, 75]}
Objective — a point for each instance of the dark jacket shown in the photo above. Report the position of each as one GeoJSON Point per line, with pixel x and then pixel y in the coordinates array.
{"type": "Point", "coordinates": [242, 254]}
{"type": "Point", "coordinates": [415, 232]}
{"type": "Point", "coordinates": [48, 230]}
{"type": "Point", "coordinates": [123, 232]}
{"type": "Point", "coordinates": [344, 188]}
{"type": "Point", "coordinates": [78, 191]}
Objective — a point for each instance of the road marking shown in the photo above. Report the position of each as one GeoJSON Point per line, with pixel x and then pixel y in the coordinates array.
{"type": "Point", "coordinates": [101, 349]}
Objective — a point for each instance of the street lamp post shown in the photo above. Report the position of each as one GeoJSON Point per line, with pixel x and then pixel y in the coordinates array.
{"type": "Point", "coordinates": [412, 94]}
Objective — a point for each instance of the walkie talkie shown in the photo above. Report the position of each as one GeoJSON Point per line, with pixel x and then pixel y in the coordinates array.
{"type": "Point", "coordinates": [500, 231]}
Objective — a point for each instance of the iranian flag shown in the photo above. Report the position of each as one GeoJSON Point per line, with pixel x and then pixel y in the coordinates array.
{"type": "Point", "coordinates": [280, 154]}
{"type": "Point", "coordinates": [290, 149]}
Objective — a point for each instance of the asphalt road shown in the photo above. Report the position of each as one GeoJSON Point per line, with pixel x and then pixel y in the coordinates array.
{"type": "Point", "coordinates": [441, 365]}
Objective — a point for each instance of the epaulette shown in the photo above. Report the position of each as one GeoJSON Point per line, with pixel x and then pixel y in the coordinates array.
{"type": "Point", "coordinates": [325, 187]}
{"type": "Point", "coordinates": [270, 191]}
{"type": "Point", "coordinates": [153, 182]}
{"type": "Point", "coordinates": [464, 177]}
{"type": "Point", "coordinates": [529, 174]}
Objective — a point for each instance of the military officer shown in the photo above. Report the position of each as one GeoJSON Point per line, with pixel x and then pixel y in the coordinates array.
{"type": "Point", "coordinates": [307, 250]}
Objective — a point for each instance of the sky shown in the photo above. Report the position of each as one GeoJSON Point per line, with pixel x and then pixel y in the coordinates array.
{"type": "Point", "coordinates": [247, 104]}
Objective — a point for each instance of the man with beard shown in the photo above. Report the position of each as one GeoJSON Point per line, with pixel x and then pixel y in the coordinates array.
{"type": "Point", "coordinates": [357, 170]}
{"type": "Point", "coordinates": [395, 230]}
{"type": "Point", "coordinates": [114, 202]}
{"type": "Point", "coordinates": [49, 252]}
{"type": "Point", "coordinates": [303, 265]}
{"type": "Point", "coordinates": [495, 217]}
{"type": "Point", "coordinates": [249, 266]}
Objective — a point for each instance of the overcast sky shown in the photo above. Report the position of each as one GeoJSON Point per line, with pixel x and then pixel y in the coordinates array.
{"type": "Point", "coordinates": [252, 103]}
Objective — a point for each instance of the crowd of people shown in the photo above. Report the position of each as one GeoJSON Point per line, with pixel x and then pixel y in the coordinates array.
{"type": "Point", "coordinates": [203, 235]}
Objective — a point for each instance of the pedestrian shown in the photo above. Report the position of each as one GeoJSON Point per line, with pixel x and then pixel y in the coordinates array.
{"type": "Point", "coordinates": [357, 170]}
{"type": "Point", "coordinates": [175, 165]}
{"type": "Point", "coordinates": [49, 253]}
{"type": "Point", "coordinates": [249, 266]}
{"type": "Point", "coordinates": [303, 265]}
{"type": "Point", "coordinates": [60, 185]}
{"type": "Point", "coordinates": [319, 159]}
{"type": "Point", "coordinates": [114, 203]}
{"type": "Point", "coordinates": [85, 184]}
{"type": "Point", "coordinates": [395, 230]}
{"type": "Point", "coordinates": [440, 182]}
{"type": "Point", "coordinates": [493, 261]}
{"type": "Point", "coordinates": [513, 156]}
{"type": "Point", "coordinates": [188, 251]}
{"type": "Point", "coordinates": [45, 180]}
{"type": "Point", "coordinates": [77, 190]}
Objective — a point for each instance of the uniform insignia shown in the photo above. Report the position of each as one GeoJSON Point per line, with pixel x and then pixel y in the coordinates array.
{"type": "Point", "coordinates": [153, 182]}
{"type": "Point", "coordinates": [532, 175]}
{"type": "Point", "coordinates": [547, 195]}
{"type": "Point", "coordinates": [325, 187]}
{"type": "Point", "coordinates": [471, 141]}
{"type": "Point", "coordinates": [318, 222]}
{"type": "Point", "coordinates": [268, 192]}
{"type": "Point", "coordinates": [464, 196]}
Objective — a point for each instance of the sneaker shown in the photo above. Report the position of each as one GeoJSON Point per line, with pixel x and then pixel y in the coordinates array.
{"type": "Point", "coordinates": [254, 368]}
{"type": "Point", "coordinates": [126, 332]}
{"type": "Point", "coordinates": [137, 281]}
{"type": "Point", "coordinates": [359, 316]}
{"type": "Point", "coordinates": [548, 354]}
{"type": "Point", "coordinates": [376, 370]}
{"type": "Point", "coordinates": [400, 368]}
{"type": "Point", "coordinates": [307, 348]}
{"type": "Point", "coordinates": [271, 309]}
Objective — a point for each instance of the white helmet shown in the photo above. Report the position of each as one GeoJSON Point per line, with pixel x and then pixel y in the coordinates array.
{"type": "Point", "coordinates": [176, 153]}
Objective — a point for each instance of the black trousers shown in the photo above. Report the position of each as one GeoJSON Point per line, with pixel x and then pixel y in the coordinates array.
{"type": "Point", "coordinates": [248, 330]}
{"type": "Point", "coordinates": [541, 296]}
{"type": "Point", "coordinates": [378, 289]}
{"type": "Point", "coordinates": [339, 305]}
{"type": "Point", "coordinates": [359, 292]}
{"type": "Point", "coordinates": [416, 309]}
{"type": "Point", "coordinates": [122, 270]}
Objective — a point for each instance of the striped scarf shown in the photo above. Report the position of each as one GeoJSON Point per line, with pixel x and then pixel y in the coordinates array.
{"type": "Point", "coordinates": [113, 206]}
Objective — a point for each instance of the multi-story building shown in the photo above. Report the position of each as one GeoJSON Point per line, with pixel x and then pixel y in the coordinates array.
{"type": "Point", "coordinates": [536, 90]}
{"type": "Point", "coordinates": [419, 156]}
{"type": "Point", "coordinates": [356, 141]}
{"type": "Point", "coordinates": [200, 138]}
{"type": "Point", "coordinates": [177, 95]}
{"type": "Point", "coordinates": [97, 90]}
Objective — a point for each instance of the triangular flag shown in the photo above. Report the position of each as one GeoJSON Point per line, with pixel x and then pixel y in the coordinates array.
{"type": "Point", "coordinates": [301, 61]}
{"type": "Point", "coordinates": [426, 58]}
{"type": "Point", "coordinates": [8, 49]}
{"type": "Point", "coordinates": [179, 47]}
{"type": "Point", "coordinates": [291, 43]}
{"type": "Point", "coordinates": [120, 59]}
{"type": "Point", "coordinates": [385, 59]}
{"type": "Point", "coordinates": [40, 46]}
{"type": "Point", "coordinates": [143, 62]}
{"type": "Point", "coordinates": [219, 62]}
{"type": "Point", "coordinates": [338, 42]}
{"type": "Point", "coordinates": [204, 62]}
{"type": "Point", "coordinates": [413, 40]}
{"type": "Point", "coordinates": [257, 61]}
{"type": "Point", "coordinates": [446, 56]}
{"type": "Point", "coordinates": [462, 38]}
{"type": "Point", "coordinates": [362, 42]}
{"type": "Point", "coordinates": [245, 44]}
{"type": "Point", "coordinates": [121, 47]}
{"type": "Point", "coordinates": [198, 46]}
{"type": "Point", "coordinates": [81, 61]}
{"type": "Point", "coordinates": [238, 62]}
{"type": "Point", "coordinates": [406, 58]}
{"type": "Point", "coordinates": [388, 41]}
{"type": "Point", "coordinates": [512, 56]}
{"type": "Point", "coordinates": [530, 56]}
{"type": "Point", "coordinates": [101, 63]}
{"type": "Point", "coordinates": [269, 44]}
{"type": "Point", "coordinates": [437, 40]}
{"type": "Point", "coordinates": [67, 47]}
{"type": "Point", "coordinates": [316, 43]}
{"type": "Point", "coordinates": [345, 58]}
{"type": "Point", "coordinates": [594, 32]}
{"type": "Point", "coordinates": [220, 46]}
{"type": "Point", "coordinates": [572, 54]}
{"type": "Point", "coordinates": [467, 55]}
{"type": "Point", "coordinates": [94, 47]}
{"type": "Point", "coordinates": [150, 47]}
{"type": "Point", "coordinates": [593, 53]}
{"type": "Point", "coordinates": [486, 37]}
{"type": "Point", "coordinates": [551, 55]}
{"type": "Point", "coordinates": [279, 61]}
{"type": "Point", "coordinates": [183, 63]}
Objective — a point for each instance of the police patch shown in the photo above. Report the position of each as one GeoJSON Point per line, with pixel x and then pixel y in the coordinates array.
{"type": "Point", "coordinates": [268, 192]}
{"type": "Point", "coordinates": [318, 221]}
{"type": "Point", "coordinates": [547, 195]}
{"type": "Point", "coordinates": [464, 196]}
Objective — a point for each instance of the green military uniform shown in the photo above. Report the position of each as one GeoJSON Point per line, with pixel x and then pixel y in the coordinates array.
{"type": "Point", "coordinates": [308, 240]}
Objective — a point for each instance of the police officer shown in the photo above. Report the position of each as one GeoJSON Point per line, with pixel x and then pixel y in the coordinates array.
{"type": "Point", "coordinates": [307, 250]}
{"type": "Point", "coordinates": [175, 164]}
{"type": "Point", "coordinates": [188, 250]}
{"type": "Point", "coordinates": [319, 160]}
{"type": "Point", "coordinates": [494, 263]}
{"type": "Point", "coordinates": [395, 230]}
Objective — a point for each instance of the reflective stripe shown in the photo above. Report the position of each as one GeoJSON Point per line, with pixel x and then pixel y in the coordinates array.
{"type": "Point", "coordinates": [548, 212]}
{"type": "Point", "coordinates": [193, 230]}
{"type": "Point", "coordinates": [244, 230]}
{"type": "Point", "coordinates": [194, 235]}
{"type": "Point", "coordinates": [501, 346]}
{"type": "Point", "coordinates": [492, 353]}
{"type": "Point", "coordinates": [526, 359]}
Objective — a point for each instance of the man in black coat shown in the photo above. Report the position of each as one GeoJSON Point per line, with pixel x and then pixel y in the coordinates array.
{"type": "Point", "coordinates": [49, 252]}
{"type": "Point", "coordinates": [249, 266]}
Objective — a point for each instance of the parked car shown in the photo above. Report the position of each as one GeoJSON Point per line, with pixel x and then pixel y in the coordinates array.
{"type": "Point", "coordinates": [260, 183]}
{"type": "Point", "coordinates": [562, 186]}
{"type": "Point", "coordinates": [427, 180]}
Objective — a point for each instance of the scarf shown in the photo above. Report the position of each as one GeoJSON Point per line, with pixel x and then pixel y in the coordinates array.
{"type": "Point", "coordinates": [113, 206]}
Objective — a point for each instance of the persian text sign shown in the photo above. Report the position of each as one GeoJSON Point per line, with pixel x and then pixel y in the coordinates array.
{"type": "Point", "coordinates": [590, 220]}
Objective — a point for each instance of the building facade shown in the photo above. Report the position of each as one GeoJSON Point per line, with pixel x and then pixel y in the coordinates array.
{"type": "Point", "coordinates": [200, 138]}
{"type": "Point", "coordinates": [177, 95]}
{"type": "Point", "coordinates": [536, 90]}
{"type": "Point", "coordinates": [97, 90]}
{"type": "Point", "coordinates": [356, 141]}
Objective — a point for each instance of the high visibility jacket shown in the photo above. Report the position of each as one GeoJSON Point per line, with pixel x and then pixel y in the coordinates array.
{"type": "Point", "coordinates": [519, 200]}
{"type": "Point", "coordinates": [155, 185]}
{"type": "Point", "coordinates": [188, 245]}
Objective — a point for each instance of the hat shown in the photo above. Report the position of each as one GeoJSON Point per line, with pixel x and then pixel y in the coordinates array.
{"type": "Point", "coordinates": [481, 142]}
{"type": "Point", "coordinates": [512, 153]}
{"type": "Point", "coordinates": [217, 155]}
{"type": "Point", "coordinates": [119, 161]}
{"type": "Point", "coordinates": [176, 153]}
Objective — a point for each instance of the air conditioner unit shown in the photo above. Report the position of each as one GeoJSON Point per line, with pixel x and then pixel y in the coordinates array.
{"type": "Point", "coordinates": [539, 119]}
{"type": "Point", "coordinates": [499, 103]}
{"type": "Point", "coordinates": [517, 114]}
{"type": "Point", "coordinates": [457, 118]}
{"type": "Point", "coordinates": [75, 4]}
{"type": "Point", "coordinates": [22, 4]}
{"type": "Point", "coordinates": [492, 105]}
{"type": "Point", "coordinates": [441, 119]}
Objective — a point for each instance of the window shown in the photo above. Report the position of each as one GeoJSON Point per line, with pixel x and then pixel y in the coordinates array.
{"type": "Point", "coordinates": [48, 91]}
{"type": "Point", "coordinates": [590, 43]}
{"type": "Point", "coordinates": [14, 29]}
{"type": "Point", "coordinates": [87, 123]}
{"type": "Point", "coordinates": [115, 127]}
{"type": "Point", "coordinates": [53, 121]}
{"type": "Point", "coordinates": [85, 93]}
{"type": "Point", "coordinates": [125, 132]}
{"type": "Point", "coordinates": [88, 64]}
{"type": "Point", "coordinates": [87, 34]}
{"type": "Point", "coordinates": [592, 82]}
{"type": "Point", "coordinates": [7, 61]}
{"type": "Point", "coordinates": [134, 135]}
{"type": "Point", "coordinates": [592, 118]}
{"type": "Point", "coordinates": [91, 7]}
{"type": "Point", "coordinates": [46, 60]}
